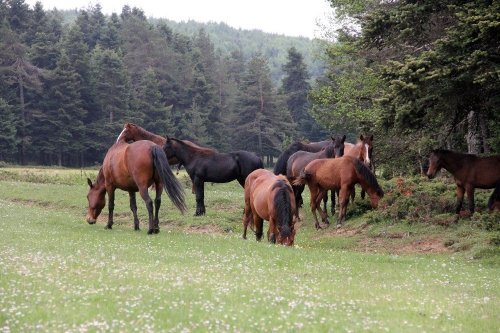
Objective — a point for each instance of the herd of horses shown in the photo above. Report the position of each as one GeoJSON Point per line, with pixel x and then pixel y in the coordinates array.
{"type": "Point", "coordinates": [140, 159]}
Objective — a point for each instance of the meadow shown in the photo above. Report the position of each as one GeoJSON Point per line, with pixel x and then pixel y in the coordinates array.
{"type": "Point", "coordinates": [407, 267]}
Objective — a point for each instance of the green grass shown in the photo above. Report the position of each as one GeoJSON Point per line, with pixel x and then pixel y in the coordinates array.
{"type": "Point", "coordinates": [57, 273]}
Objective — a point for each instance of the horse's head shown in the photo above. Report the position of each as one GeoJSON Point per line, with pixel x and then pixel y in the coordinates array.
{"type": "Point", "coordinates": [366, 153]}
{"type": "Point", "coordinates": [128, 133]}
{"type": "Point", "coordinates": [96, 200]}
{"type": "Point", "coordinates": [338, 145]}
{"type": "Point", "coordinates": [435, 164]}
{"type": "Point", "coordinates": [169, 147]}
{"type": "Point", "coordinates": [375, 197]}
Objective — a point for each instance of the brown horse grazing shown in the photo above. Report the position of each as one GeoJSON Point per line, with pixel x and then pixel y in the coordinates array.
{"type": "Point", "coordinates": [298, 161]}
{"type": "Point", "coordinates": [133, 132]}
{"type": "Point", "coordinates": [470, 171]}
{"type": "Point", "coordinates": [270, 197]}
{"type": "Point", "coordinates": [133, 168]}
{"type": "Point", "coordinates": [338, 174]}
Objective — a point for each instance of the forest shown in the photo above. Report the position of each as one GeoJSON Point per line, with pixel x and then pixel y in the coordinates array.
{"type": "Point", "coordinates": [416, 74]}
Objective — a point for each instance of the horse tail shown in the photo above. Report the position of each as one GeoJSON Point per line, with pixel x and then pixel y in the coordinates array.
{"type": "Point", "coordinates": [170, 183]}
{"type": "Point", "coordinates": [283, 207]}
{"type": "Point", "coordinates": [365, 173]}
{"type": "Point", "coordinates": [494, 198]}
{"type": "Point", "coordinates": [302, 179]}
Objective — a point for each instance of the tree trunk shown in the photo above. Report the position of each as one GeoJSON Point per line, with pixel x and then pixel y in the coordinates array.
{"type": "Point", "coordinates": [484, 134]}
{"type": "Point", "coordinates": [473, 137]}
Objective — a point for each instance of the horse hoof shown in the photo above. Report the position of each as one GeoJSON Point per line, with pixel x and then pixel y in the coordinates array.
{"type": "Point", "coordinates": [108, 227]}
{"type": "Point", "coordinates": [150, 231]}
{"type": "Point", "coordinates": [157, 231]}
{"type": "Point", "coordinates": [318, 227]}
{"type": "Point", "coordinates": [338, 226]}
{"type": "Point", "coordinates": [137, 229]}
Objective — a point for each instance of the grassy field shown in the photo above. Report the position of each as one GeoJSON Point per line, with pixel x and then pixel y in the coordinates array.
{"type": "Point", "coordinates": [383, 272]}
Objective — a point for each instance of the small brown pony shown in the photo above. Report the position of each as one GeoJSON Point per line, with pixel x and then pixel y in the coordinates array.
{"type": "Point", "coordinates": [338, 174]}
{"type": "Point", "coordinates": [133, 168]}
{"type": "Point", "coordinates": [470, 172]}
{"type": "Point", "coordinates": [269, 197]}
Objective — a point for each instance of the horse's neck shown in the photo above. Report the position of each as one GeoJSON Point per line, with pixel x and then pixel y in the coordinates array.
{"type": "Point", "coordinates": [100, 180]}
{"type": "Point", "coordinates": [453, 162]}
{"type": "Point", "coordinates": [354, 150]}
{"type": "Point", "coordinates": [145, 135]}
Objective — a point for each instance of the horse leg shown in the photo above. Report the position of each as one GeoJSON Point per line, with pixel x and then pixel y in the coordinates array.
{"type": "Point", "coordinates": [343, 201]}
{"type": "Point", "coordinates": [325, 203]}
{"type": "Point", "coordinates": [460, 198]}
{"type": "Point", "coordinates": [111, 207]}
{"type": "Point", "coordinates": [314, 203]}
{"type": "Point", "coordinates": [247, 216]}
{"type": "Point", "coordinates": [259, 224]}
{"type": "Point", "coordinates": [363, 194]}
{"type": "Point", "coordinates": [324, 216]}
{"type": "Point", "coordinates": [200, 197]}
{"type": "Point", "coordinates": [159, 189]}
{"type": "Point", "coordinates": [133, 208]}
{"type": "Point", "coordinates": [271, 235]}
{"type": "Point", "coordinates": [332, 209]}
{"type": "Point", "coordinates": [297, 190]}
{"type": "Point", "coordinates": [470, 199]}
{"type": "Point", "coordinates": [149, 205]}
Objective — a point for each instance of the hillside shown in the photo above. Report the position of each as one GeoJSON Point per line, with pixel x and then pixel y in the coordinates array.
{"type": "Point", "coordinates": [273, 46]}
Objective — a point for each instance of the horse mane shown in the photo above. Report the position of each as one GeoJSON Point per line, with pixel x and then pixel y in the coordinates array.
{"type": "Point", "coordinates": [283, 207]}
{"type": "Point", "coordinates": [194, 146]}
{"type": "Point", "coordinates": [368, 175]}
{"type": "Point", "coordinates": [100, 177]}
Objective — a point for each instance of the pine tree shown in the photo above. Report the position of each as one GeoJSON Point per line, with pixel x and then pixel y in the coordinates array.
{"type": "Point", "coordinates": [8, 140]}
{"type": "Point", "coordinates": [261, 121]}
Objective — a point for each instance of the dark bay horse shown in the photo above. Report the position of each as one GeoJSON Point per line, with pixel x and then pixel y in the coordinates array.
{"type": "Point", "coordinates": [470, 172]}
{"type": "Point", "coordinates": [298, 161]}
{"type": "Point", "coordinates": [133, 168]}
{"type": "Point", "coordinates": [338, 173]}
{"type": "Point", "coordinates": [207, 165]}
{"type": "Point", "coordinates": [269, 197]}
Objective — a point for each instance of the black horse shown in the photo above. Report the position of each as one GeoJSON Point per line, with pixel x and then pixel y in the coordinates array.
{"type": "Point", "coordinates": [207, 165]}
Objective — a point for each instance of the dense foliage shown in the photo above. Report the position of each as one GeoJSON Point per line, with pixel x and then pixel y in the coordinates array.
{"type": "Point", "coordinates": [67, 86]}
{"type": "Point", "coordinates": [419, 74]}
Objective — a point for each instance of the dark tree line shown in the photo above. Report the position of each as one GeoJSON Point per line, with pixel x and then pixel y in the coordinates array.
{"type": "Point", "coordinates": [67, 89]}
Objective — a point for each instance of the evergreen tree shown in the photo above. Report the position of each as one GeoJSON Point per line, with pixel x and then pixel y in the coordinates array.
{"type": "Point", "coordinates": [151, 110]}
{"type": "Point", "coordinates": [296, 88]}
{"type": "Point", "coordinates": [110, 86]}
{"type": "Point", "coordinates": [261, 121]}
{"type": "Point", "coordinates": [8, 140]}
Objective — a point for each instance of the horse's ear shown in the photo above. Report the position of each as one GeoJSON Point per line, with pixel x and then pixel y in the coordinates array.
{"type": "Point", "coordinates": [361, 137]}
{"type": "Point", "coordinates": [89, 182]}
{"type": "Point", "coordinates": [371, 137]}
{"type": "Point", "coordinates": [343, 138]}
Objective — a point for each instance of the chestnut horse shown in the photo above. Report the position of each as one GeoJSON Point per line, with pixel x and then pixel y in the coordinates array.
{"type": "Point", "coordinates": [207, 165]}
{"type": "Point", "coordinates": [133, 168]}
{"type": "Point", "coordinates": [470, 171]}
{"type": "Point", "coordinates": [338, 174]}
{"type": "Point", "coordinates": [298, 161]}
{"type": "Point", "coordinates": [269, 197]}
{"type": "Point", "coordinates": [133, 132]}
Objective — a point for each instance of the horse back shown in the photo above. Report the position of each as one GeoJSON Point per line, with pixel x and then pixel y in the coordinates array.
{"type": "Point", "coordinates": [129, 166]}
{"type": "Point", "coordinates": [484, 172]}
{"type": "Point", "coordinates": [332, 173]}
{"type": "Point", "coordinates": [298, 161]}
